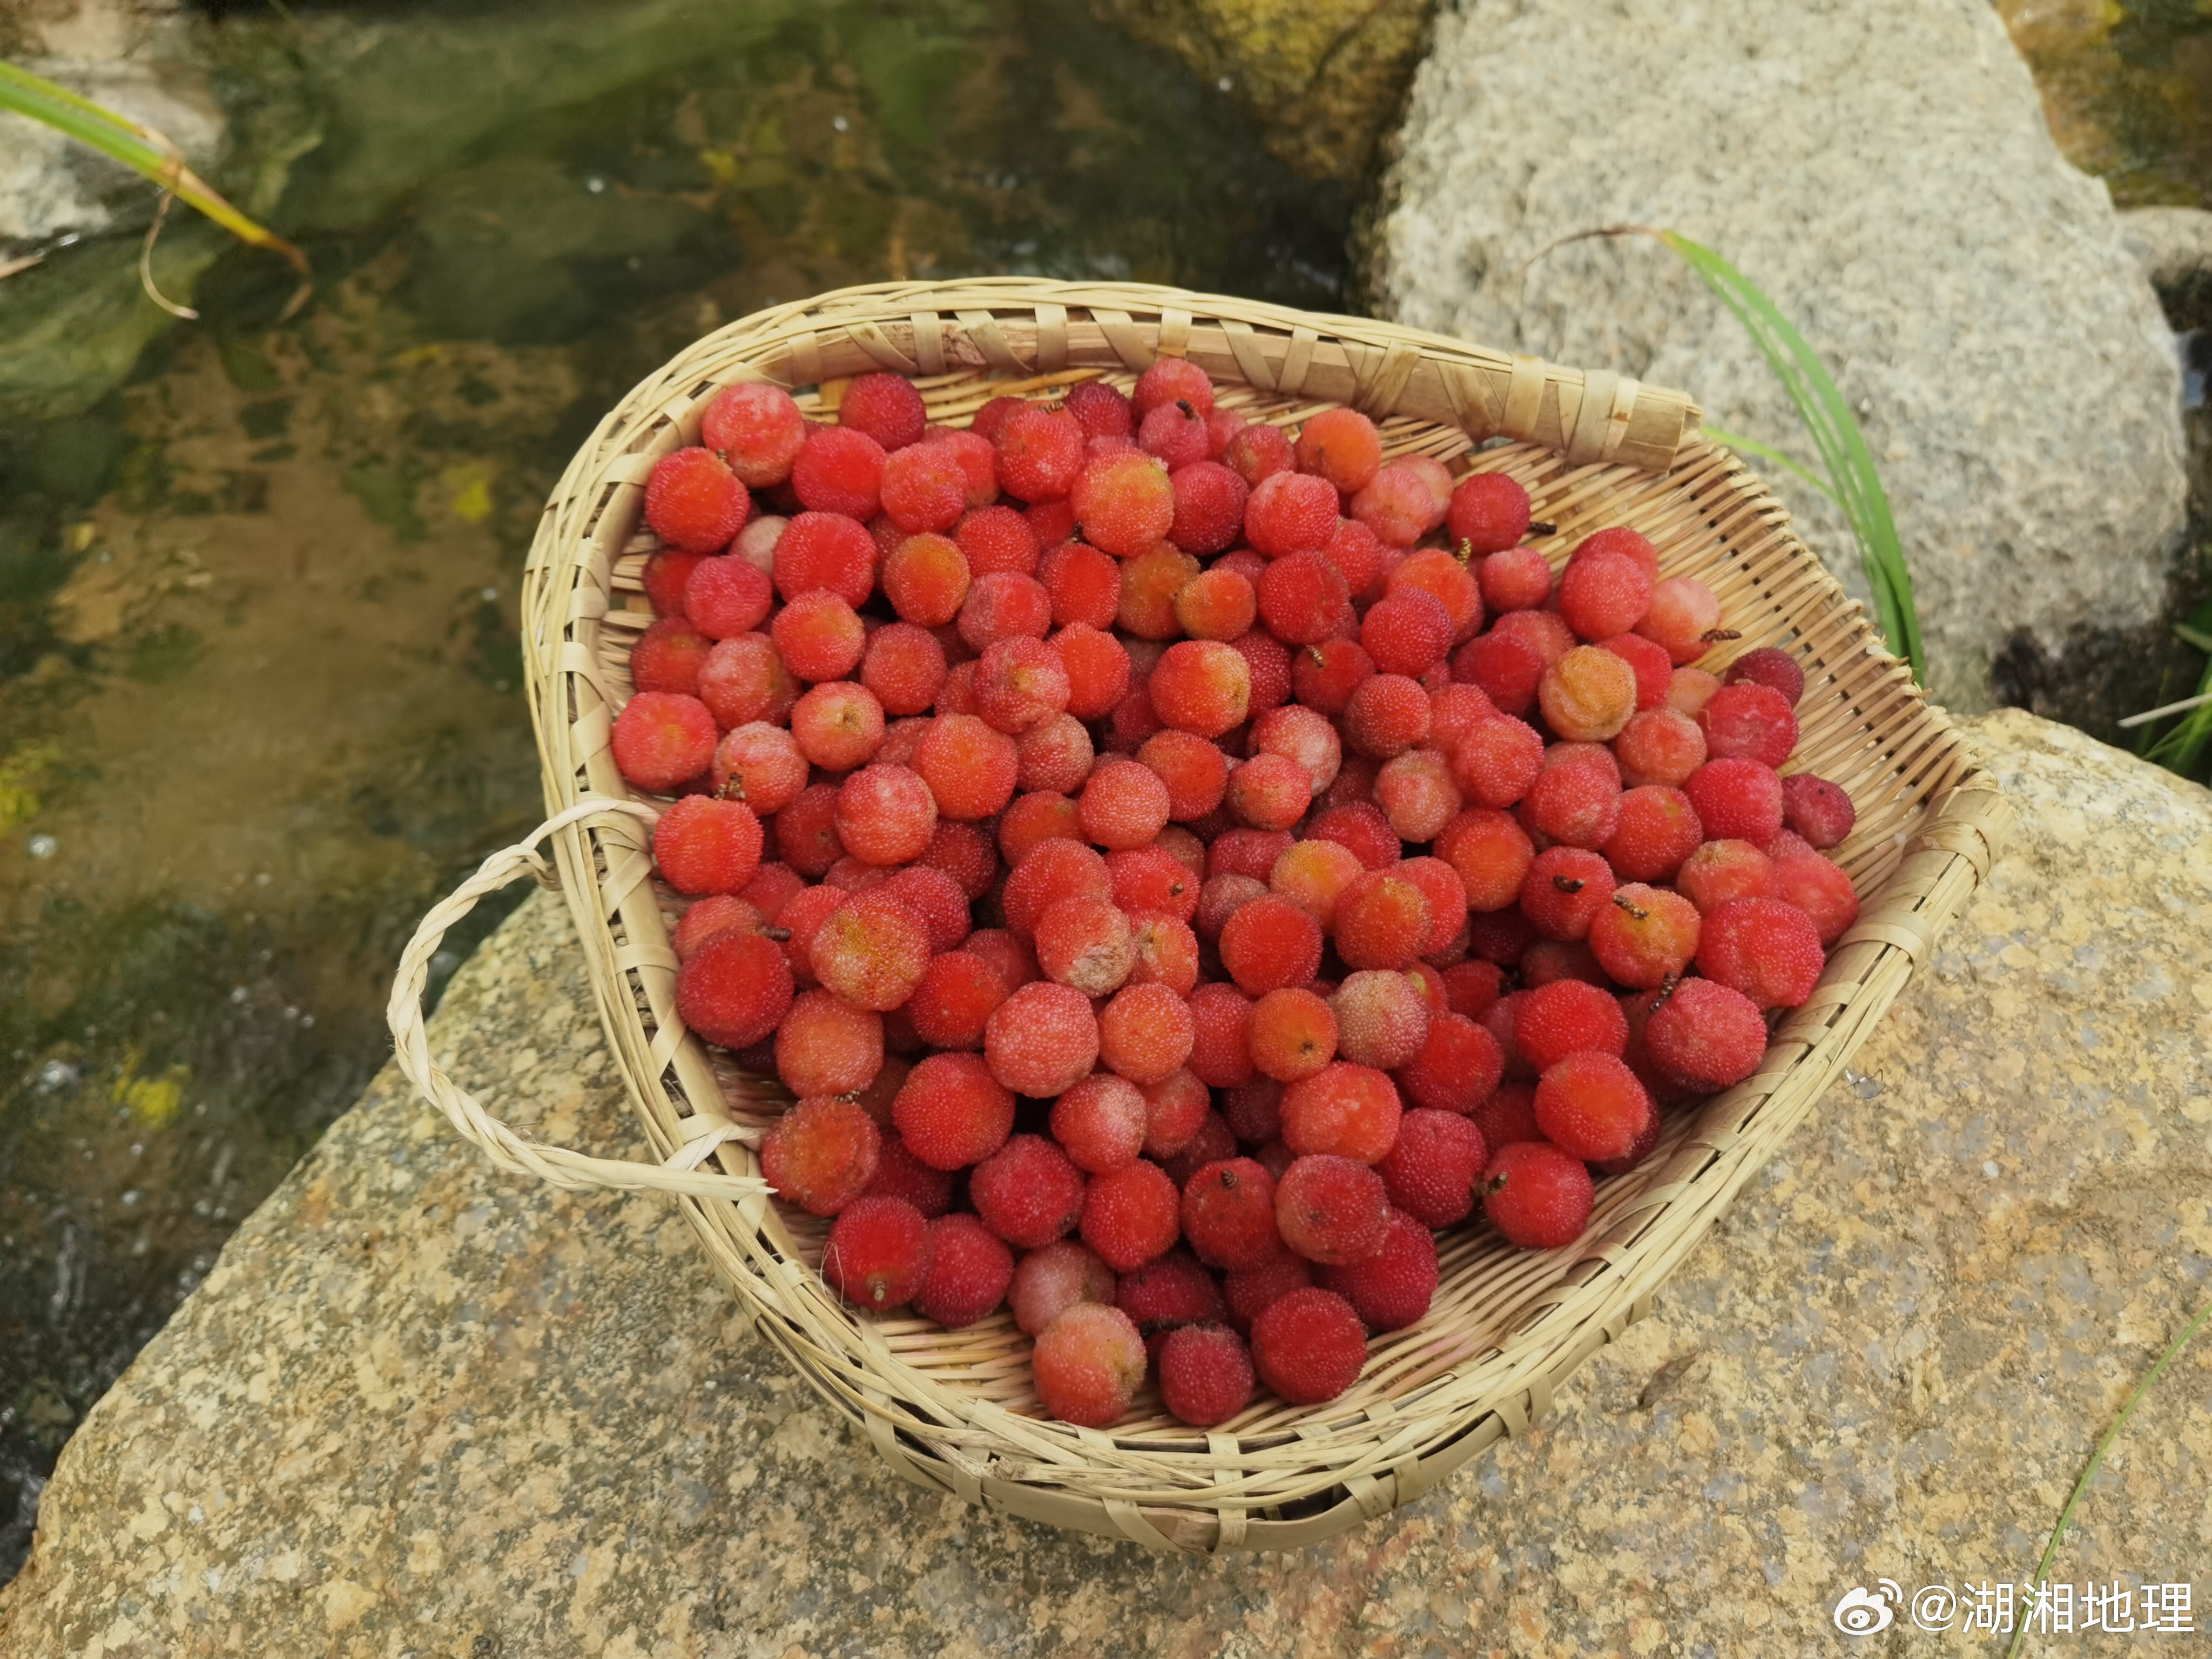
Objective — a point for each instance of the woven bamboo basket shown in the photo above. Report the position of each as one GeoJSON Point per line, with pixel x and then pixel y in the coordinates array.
{"type": "Point", "coordinates": [953, 1410]}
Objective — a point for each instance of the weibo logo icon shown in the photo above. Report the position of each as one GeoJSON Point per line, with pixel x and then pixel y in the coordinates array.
{"type": "Point", "coordinates": [1863, 1611]}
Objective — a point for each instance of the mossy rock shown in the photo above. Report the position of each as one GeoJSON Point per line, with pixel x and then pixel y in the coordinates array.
{"type": "Point", "coordinates": [1324, 78]}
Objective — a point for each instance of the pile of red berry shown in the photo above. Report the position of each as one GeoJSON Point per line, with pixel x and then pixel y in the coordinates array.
{"type": "Point", "coordinates": [1197, 883]}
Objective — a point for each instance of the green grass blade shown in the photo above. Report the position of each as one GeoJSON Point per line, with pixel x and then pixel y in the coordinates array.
{"type": "Point", "coordinates": [1835, 434]}
{"type": "Point", "coordinates": [140, 148]}
{"type": "Point", "coordinates": [1736, 441]}
{"type": "Point", "coordinates": [2097, 1459]}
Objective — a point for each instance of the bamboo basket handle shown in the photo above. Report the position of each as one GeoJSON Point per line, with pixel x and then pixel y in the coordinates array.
{"type": "Point", "coordinates": [518, 1153]}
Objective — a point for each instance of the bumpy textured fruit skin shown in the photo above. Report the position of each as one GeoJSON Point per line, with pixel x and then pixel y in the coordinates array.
{"type": "Point", "coordinates": [878, 1253]}
{"type": "Point", "coordinates": [1536, 1195]}
{"type": "Point", "coordinates": [1206, 1375]}
{"type": "Point", "coordinates": [1028, 1192]}
{"type": "Point", "coordinates": [1432, 1172]}
{"type": "Point", "coordinates": [1592, 1106]}
{"type": "Point", "coordinates": [1308, 1346]}
{"type": "Point", "coordinates": [1330, 1209]}
{"type": "Point", "coordinates": [1088, 1364]}
{"type": "Point", "coordinates": [1766, 948]}
{"type": "Point", "coordinates": [1706, 1034]}
{"type": "Point", "coordinates": [1049, 1280]}
{"type": "Point", "coordinates": [1132, 1215]}
{"type": "Point", "coordinates": [735, 988]}
{"type": "Point", "coordinates": [1393, 1288]}
{"type": "Point", "coordinates": [968, 1270]}
{"type": "Point", "coordinates": [1228, 1214]}
{"type": "Point", "coordinates": [822, 1154]}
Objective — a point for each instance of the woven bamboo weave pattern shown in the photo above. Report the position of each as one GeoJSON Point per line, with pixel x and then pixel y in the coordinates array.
{"type": "Point", "coordinates": [953, 1410]}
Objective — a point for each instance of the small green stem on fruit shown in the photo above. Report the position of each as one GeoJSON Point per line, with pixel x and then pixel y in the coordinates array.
{"type": "Point", "coordinates": [1666, 987]}
{"type": "Point", "coordinates": [1568, 884]}
{"type": "Point", "coordinates": [1319, 661]}
{"type": "Point", "coordinates": [1465, 551]}
{"type": "Point", "coordinates": [1629, 905]}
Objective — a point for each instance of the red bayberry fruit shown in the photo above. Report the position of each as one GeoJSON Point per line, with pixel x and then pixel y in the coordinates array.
{"type": "Point", "coordinates": [757, 429]}
{"type": "Point", "coordinates": [1459, 1065]}
{"type": "Point", "coordinates": [877, 1253]}
{"type": "Point", "coordinates": [703, 845]}
{"type": "Point", "coordinates": [1382, 1017]}
{"type": "Point", "coordinates": [1206, 1375]}
{"type": "Point", "coordinates": [1346, 1110]}
{"type": "Point", "coordinates": [1269, 943]}
{"type": "Point", "coordinates": [1124, 502]}
{"type": "Point", "coordinates": [1131, 1215]}
{"type": "Point", "coordinates": [1592, 1107]}
{"type": "Point", "coordinates": [1567, 1016]}
{"type": "Point", "coordinates": [1539, 1197]}
{"type": "Point", "coordinates": [1749, 721]}
{"type": "Point", "coordinates": [1209, 507]}
{"type": "Point", "coordinates": [821, 1154]}
{"type": "Point", "coordinates": [952, 1111]}
{"type": "Point", "coordinates": [1820, 890]}
{"type": "Point", "coordinates": [1722, 870]}
{"type": "Point", "coordinates": [1817, 809]}
{"type": "Point", "coordinates": [969, 1272]}
{"type": "Point", "coordinates": [838, 469]}
{"type": "Point", "coordinates": [1432, 1172]}
{"type": "Point", "coordinates": [668, 656]}
{"type": "Point", "coordinates": [1766, 948]}
{"type": "Point", "coordinates": [1088, 1364]}
{"type": "Point", "coordinates": [1049, 1281]}
{"type": "Point", "coordinates": [1146, 1033]}
{"type": "Point", "coordinates": [1331, 1209]}
{"type": "Point", "coordinates": [1028, 1192]}
{"type": "Point", "coordinates": [1228, 1212]}
{"type": "Point", "coordinates": [1776, 670]}
{"type": "Point", "coordinates": [1101, 1123]}
{"type": "Point", "coordinates": [1489, 511]}
{"type": "Point", "coordinates": [871, 951]}
{"type": "Point", "coordinates": [884, 406]}
{"type": "Point", "coordinates": [1603, 595]}
{"type": "Point", "coordinates": [1041, 1040]}
{"type": "Point", "coordinates": [1706, 1034]}
{"type": "Point", "coordinates": [694, 503]}
{"type": "Point", "coordinates": [1101, 411]}
{"type": "Point", "coordinates": [1308, 1346]}
{"type": "Point", "coordinates": [734, 989]}
{"type": "Point", "coordinates": [1683, 617]}
{"type": "Point", "coordinates": [1646, 936]}
{"type": "Point", "coordinates": [663, 739]}
{"type": "Point", "coordinates": [1736, 799]}
{"type": "Point", "coordinates": [1393, 1288]}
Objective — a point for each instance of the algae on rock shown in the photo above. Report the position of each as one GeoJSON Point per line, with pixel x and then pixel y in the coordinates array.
{"type": "Point", "coordinates": [1324, 78]}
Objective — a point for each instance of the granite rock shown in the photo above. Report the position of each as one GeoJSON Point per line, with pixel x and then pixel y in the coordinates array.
{"type": "Point", "coordinates": [421, 1408]}
{"type": "Point", "coordinates": [2173, 245]}
{"type": "Point", "coordinates": [135, 58]}
{"type": "Point", "coordinates": [1325, 79]}
{"type": "Point", "coordinates": [1882, 170]}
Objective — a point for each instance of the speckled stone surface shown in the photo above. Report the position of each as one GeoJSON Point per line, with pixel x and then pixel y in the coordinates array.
{"type": "Point", "coordinates": [421, 1408]}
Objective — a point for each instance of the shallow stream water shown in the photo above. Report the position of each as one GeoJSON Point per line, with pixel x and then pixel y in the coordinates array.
{"type": "Point", "coordinates": [259, 670]}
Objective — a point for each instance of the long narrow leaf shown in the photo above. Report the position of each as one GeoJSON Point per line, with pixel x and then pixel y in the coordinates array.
{"type": "Point", "coordinates": [138, 147]}
{"type": "Point", "coordinates": [1736, 441]}
{"type": "Point", "coordinates": [1835, 434]}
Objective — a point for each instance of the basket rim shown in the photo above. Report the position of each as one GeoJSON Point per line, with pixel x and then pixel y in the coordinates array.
{"type": "Point", "coordinates": [1188, 1490]}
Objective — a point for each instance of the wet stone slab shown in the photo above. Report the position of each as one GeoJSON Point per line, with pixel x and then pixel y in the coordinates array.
{"type": "Point", "coordinates": [421, 1408]}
